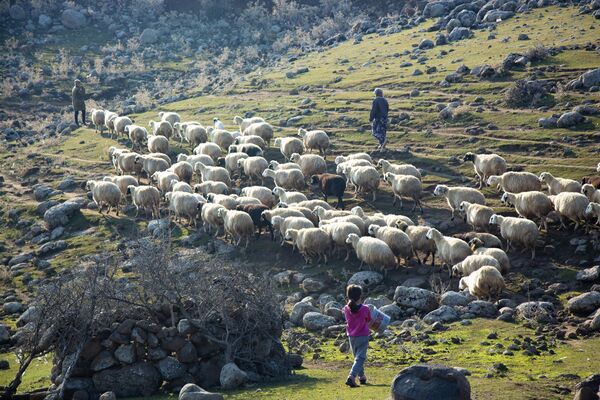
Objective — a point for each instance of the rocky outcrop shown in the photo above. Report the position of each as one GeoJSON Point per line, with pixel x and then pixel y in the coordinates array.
{"type": "Point", "coordinates": [425, 381]}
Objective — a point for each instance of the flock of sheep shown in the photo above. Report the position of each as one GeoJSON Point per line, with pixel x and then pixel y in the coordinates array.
{"type": "Point", "coordinates": [313, 226]}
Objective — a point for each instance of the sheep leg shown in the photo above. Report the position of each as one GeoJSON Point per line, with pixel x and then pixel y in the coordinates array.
{"type": "Point", "coordinates": [533, 252]}
{"type": "Point", "coordinates": [325, 257]}
{"type": "Point", "coordinates": [361, 264]}
{"type": "Point", "coordinates": [375, 196]}
{"type": "Point", "coordinates": [347, 255]}
{"type": "Point", "coordinates": [417, 256]}
{"type": "Point", "coordinates": [433, 259]}
{"type": "Point", "coordinates": [394, 200]}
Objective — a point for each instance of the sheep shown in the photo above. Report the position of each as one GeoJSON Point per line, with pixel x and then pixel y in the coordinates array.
{"type": "Point", "coordinates": [158, 144]}
{"type": "Point", "coordinates": [315, 140]}
{"type": "Point", "coordinates": [530, 205]}
{"type": "Point", "coordinates": [283, 224]}
{"type": "Point", "coordinates": [114, 153]}
{"type": "Point", "coordinates": [262, 193]}
{"type": "Point", "coordinates": [251, 149]}
{"type": "Point", "coordinates": [338, 232]}
{"type": "Point", "coordinates": [104, 193]}
{"type": "Point", "coordinates": [163, 180]}
{"type": "Point", "coordinates": [170, 117]}
{"type": "Point", "coordinates": [559, 185]}
{"type": "Point", "coordinates": [519, 230]}
{"type": "Point", "coordinates": [310, 164]}
{"type": "Point", "coordinates": [312, 204]}
{"type": "Point", "coordinates": [218, 174]}
{"type": "Point", "coordinates": [399, 169]}
{"type": "Point", "coordinates": [324, 214]}
{"type": "Point", "coordinates": [150, 165]}
{"type": "Point", "coordinates": [98, 119]}
{"type": "Point", "coordinates": [210, 218]}
{"type": "Point", "coordinates": [230, 162]}
{"type": "Point", "coordinates": [268, 215]}
{"type": "Point", "coordinates": [122, 182]}
{"type": "Point", "coordinates": [162, 156]}
{"type": "Point", "coordinates": [450, 250]}
{"type": "Point", "coordinates": [179, 129]}
{"type": "Point", "coordinates": [193, 133]}
{"type": "Point", "coordinates": [365, 179]}
{"type": "Point", "coordinates": [346, 165]}
{"type": "Point", "coordinates": [227, 201]}
{"type": "Point", "coordinates": [593, 210]}
{"type": "Point", "coordinates": [289, 179]}
{"type": "Point", "coordinates": [238, 225]}
{"type": "Point", "coordinates": [311, 242]}
{"type": "Point", "coordinates": [146, 197]}
{"type": "Point", "coordinates": [207, 187]}
{"type": "Point", "coordinates": [472, 263]}
{"type": "Point", "coordinates": [479, 247]}
{"type": "Point", "coordinates": [109, 121]}
{"type": "Point", "coordinates": [183, 170]}
{"type": "Point", "coordinates": [592, 180]}
{"type": "Point", "coordinates": [125, 163]}
{"type": "Point", "coordinates": [377, 219]}
{"type": "Point", "coordinates": [253, 167]}
{"type": "Point", "coordinates": [221, 137]}
{"type": "Point", "coordinates": [193, 159]}
{"type": "Point", "coordinates": [209, 149]}
{"type": "Point", "coordinates": [394, 220]}
{"type": "Point", "coordinates": [476, 215]}
{"type": "Point", "coordinates": [591, 192]}
{"type": "Point", "coordinates": [246, 200]}
{"type": "Point", "coordinates": [251, 139]}
{"type": "Point", "coordinates": [288, 197]}
{"type": "Point", "coordinates": [487, 239]}
{"type": "Point", "coordinates": [162, 128]}
{"type": "Point", "coordinates": [396, 239]}
{"type": "Point", "coordinates": [373, 252]}
{"type": "Point", "coordinates": [405, 186]}
{"type": "Point", "coordinates": [137, 135]}
{"type": "Point", "coordinates": [455, 195]}
{"type": "Point", "coordinates": [486, 165]}
{"type": "Point", "coordinates": [255, 212]}
{"type": "Point", "coordinates": [275, 166]}
{"type": "Point", "coordinates": [262, 129]}
{"type": "Point", "coordinates": [418, 238]}
{"type": "Point", "coordinates": [570, 205]}
{"type": "Point", "coordinates": [486, 282]}
{"type": "Point", "coordinates": [598, 167]}
{"type": "Point", "coordinates": [120, 123]}
{"type": "Point", "coordinates": [289, 145]}
{"type": "Point", "coordinates": [180, 187]}
{"type": "Point", "coordinates": [353, 156]}
{"type": "Point", "coordinates": [185, 205]}
{"type": "Point", "coordinates": [353, 219]}
{"type": "Point", "coordinates": [329, 185]}
{"type": "Point", "coordinates": [243, 123]}
{"type": "Point", "coordinates": [515, 182]}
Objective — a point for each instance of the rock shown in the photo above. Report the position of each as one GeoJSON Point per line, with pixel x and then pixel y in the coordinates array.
{"type": "Point", "coordinates": [41, 192]}
{"type": "Point", "coordinates": [436, 9]}
{"type": "Point", "coordinates": [125, 353]}
{"type": "Point", "coordinates": [17, 12]}
{"type": "Point", "coordinates": [588, 388]}
{"type": "Point", "coordinates": [467, 18]}
{"type": "Point", "coordinates": [192, 391]}
{"type": "Point", "coordinates": [539, 311]}
{"type": "Point", "coordinates": [426, 44]}
{"type": "Point", "coordinates": [378, 301]}
{"type": "Point", "coordinates": [311, 285]}
{"type": "Point", "coordinates": [4, 334]}
{"type": "Point", "coordinates": [584, 304]}
{"type": "Point", "coordinates": [187, 353]}
{"type": "Point", "coordinates": [52, 247]}
{"type": "Point", "coordinates": [170, 368]}
{"type": "Point", "coordinates": [570, 119]}
{"type": "Point", "coordinates": [421, 299]}
{"type": "Point", "coordinates": [591, 78]}
{"type": "Point", "coordinates": [315, 321]}
{"type": "Point", "coordinates": [67, 184]}
{"type": "Point", "coordinates": [594, 322]}
{"type": "Point", "coordinates": [44, 21]}
{"type": "Point", "coordinates": [232, 377]}
{"type": "Point", "coordinates": [366, 279]}
{"type": "Point", "coordinates": [20, 258]}
{"type": "Point", "coordinates": [589, 275]}
{"type": "Point", "coordinates": [73, 19]}
{"type": "Point", "coordinates": [442, 314]}
{"type": "Point", "coordinates": [295, 360]}
{"type": "Point", "coordinates": [136, 380]}
{"type": "Point", "coordinates": [430, 381]}
{"type": "Point", "coordinates": [459, 33]}
{"type": "Point", "coordinates": [548, 123]}
{"type": "Point", "coordinates": [60, 214]}
{"type": "Point", "coordinates": [418, 281]}
{"type": "Point", "coordinates": [301, 308]}
{"type": "Point", "coordinates": [495, 15]}
{"type": "Point", "coordinates": [523, 36]}
{"type": "Point", "coordinates": [103, 361]}
{"type": "Point", "coordinates": [149, 36]}
{"type": "Point", "coordinates": [482, 308]}
{"type": "Point", "coordinates": [394, 312]}
{"type": "Point", "coordinates": [451, 298]}
{"type": "Point", "coordinates": [12, 307]}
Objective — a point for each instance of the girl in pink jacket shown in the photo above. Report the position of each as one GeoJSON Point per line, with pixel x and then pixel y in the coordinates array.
{"type": "Point", "coordinates": [357, 327]}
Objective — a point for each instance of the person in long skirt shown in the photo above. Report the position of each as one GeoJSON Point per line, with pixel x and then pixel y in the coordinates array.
{"type": "Point", "coordinates": [379, 118]}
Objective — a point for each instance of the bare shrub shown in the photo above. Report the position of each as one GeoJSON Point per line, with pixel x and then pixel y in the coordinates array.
{"type": "Point", "coordinates": [143, 97]}
{"type": "Point", "coordinates": [438, 286]}
{"type": "Point", "coordinates": [524, 94]}
{"type": "Point", "coordinates": [537, 53]}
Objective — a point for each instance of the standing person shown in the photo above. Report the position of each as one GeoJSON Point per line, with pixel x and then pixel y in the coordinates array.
{"type": "Point", "coordinates": [379, 118]}
{"type": "Point", "coordinates": [78, 94]}
{"type": "Point", "coordinates": [357, 327]}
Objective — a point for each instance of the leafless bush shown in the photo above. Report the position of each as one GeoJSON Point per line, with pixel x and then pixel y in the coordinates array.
{"type": "Point", "coordinates": [525, 94]}
{"type": "Point", "coordinates": [7, 87]}
{"type": "Point", "coordinates": [143, 97]}
{"type": "Point", "coordinates": [438, 286]}
{"type": "Point", "coordinates": [537, 53]}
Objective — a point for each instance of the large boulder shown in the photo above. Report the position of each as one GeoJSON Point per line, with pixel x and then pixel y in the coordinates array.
{"type": "Point", "coordinates": [588, 389]}
{"type": "Point", "coordinates": [421, 299]}
{"type": "Point", "coordinates": [452, 298]}
{"type": "Point", "coordinates": [459, 33]}
{"type": "Point", "coordinates": [495, 15]}
{"type": "Point", "coordinates": [232, 377]}
{"type": "Point", "coordinates": [426, 44]}
{"type": "Point", "coordinates": [299, 310]}
{"type": "Point", "coordinates": [366, 279]}
{"type": "Point", "coordinates": [149, 36]}
{"type": "Point", "coordinates": [570, 119]}
{"type": "Point", "coordinates": [170, 368]}
{"type": "Point", "coordinates": [4, 334]}
{"type": "Point", "coordinates": [315, 321]}
{"type": "Point", "coordinates": [436, 9]}
{"type": "Point", "coordinates": [481, 308]}
{"type": "Point", "coordinates": [17, 12]}
{"type": "Point", "coordinates": [424, 381]}
{"type": "Point", "coordinates": [540, 311]}
{"type": "Point", "coordinates": [442, 314]}
{"type": "Point", "coordinates": [135, 380]}
{"type": "Point", "coordinates": [585, 303]}
{"type": "Point", "coordinates": [589, 275]}
{"type": "Point", "coordinates": [467, 18]}
{"type": "Point", "coordinates": [194, 392]}
{"type": "Point", "coordinates": [73, 19]}
{"type": "Point", "coordinates": [60, 214]}
{"type": "Point", "coordinates": [591, 78]}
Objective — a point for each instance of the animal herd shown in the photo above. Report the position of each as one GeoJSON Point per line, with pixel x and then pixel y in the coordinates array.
{"type": "Point", "coordinates": [292, 212]}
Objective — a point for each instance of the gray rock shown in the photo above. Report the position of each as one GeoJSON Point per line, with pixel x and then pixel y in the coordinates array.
{"type": "Point", "coordinates": [430, 381]}
{"type": "Point", "coordinates": [12, 307]}
{"type": "Point", "coordinates": [588, 388]}
{"type": "Point", "coordinates": [459, 33]}
{"type": "Point", "coordinates": [194, 392]}
{"type": "Point", "coordinates": [421, 299]}
{"type": "Point", "coordinates": [436, 9]}
{"type": "Point", "coordinates": [125, 353]}
{"type": "Point", "coordinates": [426, 44]}
{"type": "Point", "coordinates": [73, 19]}
{"type": "Point", "coordinates": [589, 275]}
{"type": "Point", "coordinates": [481, 308]}
{"type": "Point", "coordinates": [60, 214]}
{"type": "Point", "coordinates": [452, 298]}
{"type": "Point", "coordinates": [570, 119]}
{"type": "Point", "coordinates": [67, 184]}
{"type": "Point", "coordinates": [315, 321]}
{"type": "Point", "coordinates": [366, 279]}
{"type": "Point", "coordinates": [585, 303]}
{"type": "Point", "coordinates": [594, 323]}
{"type": "Point", "coordinates": [591, 78]}
{"type": "Point", "coordinates": [312, 285]}
{"type": "Point", "coordinates": [170, 368]}
{"type": "Point", "coordinates": [539, 311]}
{"type": "Point", "coordinates": [103, 361]}
{"type": "Point", "coordinates": [135, 380]}
{"type": "Point", "coordinates": [4, 334]}
{"type": "Point", "coordinates": [232, 377]}
{"type": "Point", "coordinates": [17, 12]}
{"type": "Point", "coordinates": [495, 15]}
{"type": "Point", "coordinates": [378, 301]}
{"type": "Point", "coordinates": [52, 247]}
{"type": "Point", "coordinates": [44, 21]}
{"type": "Point", "coordinates": [548, 123]}
{"type": "Point", "coordinates": [418, 281]}
{"type": "Point", "coordinates": [30, 315]}
{"type": "Point", "coordinates": [299, 310]}
{"type": "Point", "coordinates": [187, 354]}
{"type": "Point", "coordinates": [41, 192]}
{"type": "Point", "coordinates": [20, 258]}
{"type": "Point", "coordinates": [149, 36]}
{"type": "Point", "coordinates": [392, 310]}
{"type": "Point", "coordinates": [108, 396]}
{"type": "Point", "coordinates": [467, 18]}
{"type": "Point", "coordinates": [442, 314]}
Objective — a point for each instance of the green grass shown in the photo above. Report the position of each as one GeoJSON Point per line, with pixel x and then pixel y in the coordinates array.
{"type": "Point", "coordinates": [37, 375]}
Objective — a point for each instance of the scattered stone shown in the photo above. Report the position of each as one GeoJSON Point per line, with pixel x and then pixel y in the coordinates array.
{"type": "Point", "coordinates": [539, 311]}
{"type": "Point", "coordinates": [312, 285]}
{"type": "Point", "coordinates": [430, 381]}
{"type": "Point", "coordinates": [570, 119]}
{"type": "Point", "coordinates": [170, 368]}
{"type": "Point", "coordinates": [589, 275]}
{"type": "Point", "coordinates": [12, 307]}
{"type": "Point", "coordinates": [149, 36]}
{"type": "Point", "coordinates": [366, 279]}
{"type": "Point", "coordinates": [73, 19]}
{"type": "Point", "coordinates": [315, 321]}
{"type": "Point", "coordinates": [451, 298]}
{"type": "Point", "coordinates": [421, 299]}
{"type": "Point", "coordinates": [299, 310]}
{"type": "Point", "coordinates": [192, 391]}
{"type": "Point", "coordinates": [232, 377]}
{"type": "Point", "coordinates": [442, 314]}
{"type": "Point", "coordinates": [584, 304]}
{"type": "Point", "coordinates": [137, 380]}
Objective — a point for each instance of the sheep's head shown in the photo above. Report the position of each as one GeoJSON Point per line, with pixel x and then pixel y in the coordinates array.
{"type": "Point", "coordinates": [277, 191]}
{"type": "Point", "coordinates": [494, 219]}
{"type": "Point", "coordinates": [469, 157]}
{"type": "Point", "coordinates": [382, 162]}
{"type": "Point", "coordinates": [339, 160]}
{"type": "Point", "coordinates": [282, 204]}
{"type": "Point", "coordinates": [493, 180]}
{"type": "Point", "coordinates": [137, 160]}
{"type": "Point", "coordinates": [319, 211]}
{"type": "Point", "coordinates": [276, 221]}
{"type": "Point", "coordinates": [440, 190]}
{"type": "Point", "coordinates": [475, 243]}
{"type": "Point", "coordinates": [291, 234]}
{"type": "Point", "coordinates": [295, 157]}
{"type": "Point", "coordinates": [130, 189]}
{"type": "Point", "coordinates": [221, 161]}
{"type": "Point", "coordinates": [373, 229]}
{"type": "Point", "coordinates": [358, 211]}
{"type": "Point", "coordinates": [352, 239]}
{"type": "Point", "coordinates": [268, 173]}
{"type": "Point", "coordinates": [462, 208]}
{"type": "Point", "coordinates": [238, 120]}
{"type": "Point", "coordinates": [89, 185]}
{"type": "Point", "coordinates": [151, 124]}
{"type": "Point", "coordinates": [592, 209]}
{"type": "Point", "coordinates": [160, 114]}
{"type": "Point", "coordinates": [221, 212]}
{"type": "Point", "coordinates": [302, 132]}
{"type": "Point", "coordinates": [588, 190]}
{"type": "Point", "coordinates": [315, 180]}
{"type": "Point", "coordinates": [462, 285]}
{"type": "Point", "coordinates": [388, 177]}
{"type": "Point", "coordinates": [455, 271]}
{"type": "Point", "coordinates": [232, 149]}
{"type": "Point", "coordinates": [546, 177]}
{"type": "Point", "coordinates": [430, 234]}
{"type": "Point", "coordinates": [401, 225]}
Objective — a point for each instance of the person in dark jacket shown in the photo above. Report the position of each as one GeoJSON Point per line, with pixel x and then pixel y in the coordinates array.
{"type": "Point", "coordinates": [78, 94]}
{"type": "Point", "coordinates": [379, 118]}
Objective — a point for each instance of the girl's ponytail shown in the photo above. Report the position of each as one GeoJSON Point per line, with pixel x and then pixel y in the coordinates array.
{"type": "Point", "coordinates": [353, 293]}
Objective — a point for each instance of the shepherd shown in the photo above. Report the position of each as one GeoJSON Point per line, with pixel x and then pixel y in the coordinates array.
{"type": "Point", "coordinates": [379, 118]}
{"type": "Point", "coordinates": [78, 93]}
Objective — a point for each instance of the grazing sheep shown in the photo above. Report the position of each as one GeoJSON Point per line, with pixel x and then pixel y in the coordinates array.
{"type": "Point", "coordinates": [289, 145]}
{"type": "Point", "coordinates": [162, 156]}
{"type": "Point", "coordinates": [104, 193]}
{"type": "Point", "coordinates": [479, 247]}
{"type": "Point", "coordinates": [353, 219]}
{"type": "Point", "coordinates": [238, 225]}
{"type": "Point", "coordinates": [158, 144]}
{"type": "Point", "coordinates": [150, 165]}
{"type": "Point", "coordinates": [570, 205]}
{"type": "Point", "coordinates": [162, 128]}
{"type": "Point", "coordinates": [515, 182]}
{"type": "Point", "coordinates": [312, 204]}
{"type": "Point", "coordinates": [591, 192]}
{"type": "Point", "coordinates": [310, 164]}
{"type": "Point", "coordinates": [311, 243]}
{"type": "Point", "coordinates": [120, 123]}
{"type": "Point", "coordinates": [476, 215]}
{"type": "Point", "coordinates": [181, 187]}
{"type": "Point", "coordinates": [289, 179]}
{"type": "Point", "coordinates": [377, 219]}
{"type": "Point", "coordinates": [365, 179]}
{"type": "Point", "coordinates": [472, 263]}
{"type": "Point", "coordinates": [268, 215]}
{"type": "Point", "coordinates": [486, 282]}
{"type": "Point", "coordinates": [398, 169]}
{"type": "Point", "coordinates": [262, 129]}
{"type": "Point", "coordinates": [146, 197]}
{"type": "Point", "coordinates": [230, 162]}
{"type": "Point", "coordinates": [251, 149]}
{"type": "Point", "coordinates": [396, 239]}
{"type": "Point", "coordinates": [221, 137]}
{"type": "Point", "coordinates": [450, 250]}
{"type": "Point", "coordinates": [137, 135]}
{"type": "Point", "coordinates": [487, 239]}
{"type": "Point", "coordinates": [114, 153]}
{"type": "Point", "coordinates": [193, 133]}
{"type": "Point", "coordinates": [210, 149]}
{"type": "Point", "coordinates": [517, 230]}
{"type": "Point", "coordinates": [559, 185]}
{"type": "Point", "coordinates": [193, 159]}
{"type": "Point", "coordinates": [109, 121]}
{"type": "Point", "coordinates": [163, 180]}
{"type": "Point", "coordinates": [324, 214]}
{"type": "Point", "coordinates": [394, 220]}
{"type": "Point", "coordinates": [207, 187]}
{"type": "Point", "coordinates": [275, 166]}
{"type": "Point", "coordinates": [170, 117]}
{"type": "Point", "coordinates": [315, 140]}
{"type": "Point", "coordinates": [353, 156]}
{"type": "Point", "coordinates": [251, 139]}
{"type": "Point", "coordinates": [339, 232]}
{"type": "Point", "coordinates": [329, 185]}
{"type": "Point", "coordinates": [373, 252]}
{"type": "Point", "coordinates": [253, 167]}
{"type": "Point", "coordinates": [183, 170]}
{"type": "Point", "coordinates": [456, 195]}
{"type": "Point", "coordinates": [530, 205]}
{"type": "Point", "coordinates": [418, 237]}
{"type": "Point", "coordinates": [288, 197]}
{"type": "Point", "coordinates": [405, 186]}
{"type": "Point", "coordinates": [125, 163]}
{"type": "Point", "coordinates": [255, 212]}
{"type": "Point", "coordinates": [210, 218]}
{"type": "Point", "coordinates": [262, 193]}
{"type": "Point", "coordinates": [243, 123]}
{"type": "Point", "coordinates": [345, 166]}
{"type": "Point", "coordinates": [486, 165]}
{"type": "Point", "coordinates": [218, 174]}
{"type": "Point", "coordinates": [185, 205]}
{"type": "Point", "coordinates": [282, 225]}
{"type": "Point", "coordinates": [98, 119]}
{"type": "Point", "coordinates": [123, 182]}
{"type": "Point", "coordinates": [246, 200]}
{"type": "Point", "coordinates": [592, 180]}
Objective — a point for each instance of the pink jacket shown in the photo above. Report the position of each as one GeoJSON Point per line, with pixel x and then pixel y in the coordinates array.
{"type": "Point", "coordinates": [357, 324]}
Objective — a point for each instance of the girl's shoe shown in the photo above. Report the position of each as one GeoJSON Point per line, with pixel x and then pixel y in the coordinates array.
{"type": "Point", "coordinates": [363, 380]}
{"type": "Point", "coordinates": [350, 382]}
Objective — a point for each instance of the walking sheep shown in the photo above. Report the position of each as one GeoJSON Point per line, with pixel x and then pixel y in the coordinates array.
{"type": "Point", "coordinates": [398, 169]}
{"type": "Point", "coordinates": [146, 197]}
{"type": "Point", "coordinates": [418, 237]}
{"type": "Point", "coordinates": [373, 252]}
{"type": "Point", "coordinates": [98, 119]}
{"type": "Point", "coordinates": [289, 179]}
{"type": "Point", "coordinates": [405, 186]}
{"type": "Point", "coordinates": [396, 239]}
{"type": "Point", "coordinates": [162, 128]}
{"type": "Point", "coordinates": [104, 193]}
{"type": "Point", "coordinates": [517, 230]}
{"type": "Point", "coordinates": [315, 140]}
{"type": "Point", "coordinates": [559, 185]}
{"type": "Point", "coordinates": [450, 250]}
{"type": "Point", "coordinates": [479, 247]}
{"type": "Point", "coordinates": [311, 243]}
{"type": "Point", "coordinates": [530, 205]}
{"type": "Point", "coordinates": [289, 145]}
{"type": "Point", "coordinates": [486, 282]}
{"type": "Point", "coordinates": [486, 165]}
{"type": "Point", "coordinates": [476, 215]}
{"type": "Point", "coordinates": [570, 206]}
{"type": "Point", "coordinates": [515, 182]}
{"type": "Point", "coordinates": [456, 195]}
{"type": "Point", "coordinates": [329, 185]}
{"type": "Point", "coordinates": [472, 263]}
{"type": "Point", "coordinates": [238, 225]}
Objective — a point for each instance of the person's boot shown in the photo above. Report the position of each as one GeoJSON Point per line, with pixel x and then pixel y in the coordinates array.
{"type": "Point", "coordinates": [363, 380]}
{"type": "Point", "coordinates": [351, 382]}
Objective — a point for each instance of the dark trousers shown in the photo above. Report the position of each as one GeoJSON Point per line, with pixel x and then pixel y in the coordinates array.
{"type": "Point", "coordinates": [82, 116]}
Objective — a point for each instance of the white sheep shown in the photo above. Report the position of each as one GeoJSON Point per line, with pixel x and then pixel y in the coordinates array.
{"type": "Point", "coordinates": [248, 148]}
{"type": "Point", "coordinates": [486, 282]}
{"type": "Point", "coordinates": [125, 163]}
{"type": "Point", "coordinates": [324, 214]}
{"type": "Point", "coordinates": [185, 205]}
{"type": "Point", "coordinates": [207, 187]}
{"type": "Point", "coordinates": [104, 193]}
{"type": "Point", "coordinates": [398, 169]}
{"type": "Point", "coordinates": [396, 239]}
{"type": "Point", "coordinates": [262, 129]}
{"type": "Point", "coordinates": [122, 182]}
{"type": "Point", "coordinates": [450, 250]}
{"type": "Point", "coordinates": [179, 129]}
{"type": "Point", "coordinates": [210, 218]}
{"type": "Point", "coordinates": [418, 237]}
{"type": "Point", "coordinates": [137, 135]}
{"type": "Point", "coordinates": [230, 162]}
{"type": "Point", "coordinates": [230, 202]}
{"type": "Point", "coordinates": [289, 145]}
{"type": "Point", "coordinates": [353, 156]}
{"type": "Point", "coordinates": [311, 243]}
{"type": "Point", "coordinates": [317, 139]}
{"type": "Point", "coordinates": [109, 121]}
{"type": "Point", "coordinates": [262, 193]}
{"type": "Point", "coordinates": [339, 232]}
{"type": "Point", "coordinates": [456, 195]}
{"type": "Point", "coordinates": [312, 204]}
{"type": "Point", "coordinates": [570, 206]}
{"type": "Point", "coordinates": [275, 166]}
{"type": "Point", "coordinates": [281, 225]}
{"type": "Point", "coordinates": [268, 215]}
{"type": "Point", "coordinates": [150, 165]}
{"type": "Point", "coordinates": [251, 139]}
{"type": "Point", "coordinates": [238, 225]}
{"type": "Point", "coordinates": [515, 182]}
{"type": "Point", "coordinates": [221, 137]}
{"type": "Point", "coordinates": [405, 186]}
{"type": "Point", "coordinates": [193, 133]}
{"type": "Point", "coordinates": [170, 117]}
{"type": "Point", "coordinates": [376, 219]}
{"type": "Point", "coordinates": [394, 220]}
{"type": "Point", "coordinates": [162, 128]}
{"type": "Point", "coordinates": [365, 179]}
{"type": "Point", "coordinates": [98, 119]}
{"type": "Point", "coordinates": [530, 205]}
{"type": "Point", "coordinates": [559, 185]}
{"type": "Point", "coordinates": [591, 193]}
{"type": "Point", "coordinates": [478, 247]}
{"type": "Point", "coordinates": [353, 219]}
{"type": "Point", "coordinates": [181, 187]}
{"type": "Point", "coordinates": [193, 159]}
{"type": "Point", "coordinates": [120, 123]}
{"type": "Point", "coordinates": [517, 230]}
{"type": "Point", "coordinates": [207, 173]}
{"type": "Point", "coordinates": [486, 165]}
{"type": "Point", "coordinates": [488, 239]}
{"type": "Point", "coordinates": [476, 215]}
{"type": "Point", "coordinates": [162, 156]}
{"type": "Point", "coordinates": [373, 252]}
{"type": "Point", "coordinates": [243, 123]}
{"type": "Point", "coordinates": [163, 180]}
{"type": "Point", "coordinates": [158, 144]}
{"type": "Point", "coordinates": [310, 164]}
{"type": "Point", "coordinates": [288, 197]}
{"type": "Point", "coordinates": [146, 197]}
{"type": "Point", "coordinates": [209, 149]}
{"type": "Point", "coordinates": [593, 210]}
{"type": "Point", "coordinates": [253, 167]}
{"type": "Point", "coordinates": [472, 263]}
{"type": "Point", "coordinates": [289, 179]}
{"type": "Point", "coordinates": [183, 170]}
{"type": "Point", "coordinates": [345, 166]}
